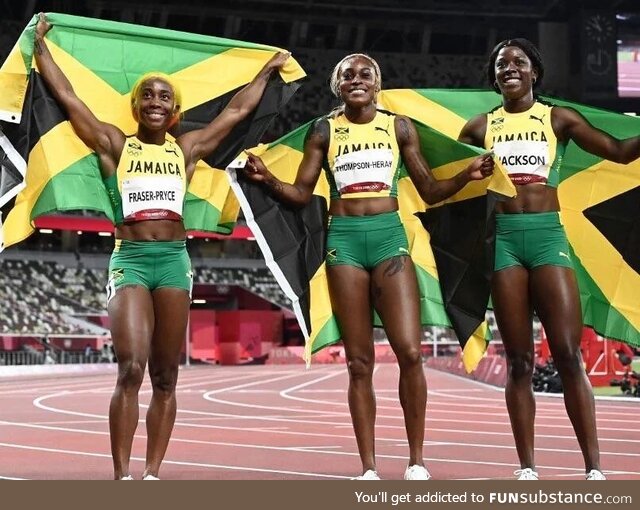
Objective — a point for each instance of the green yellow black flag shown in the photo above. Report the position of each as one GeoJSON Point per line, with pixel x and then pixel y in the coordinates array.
{"type": "Point", "coordinates": [103, 59]}
{"type": "Point", "coordinates": [599, 199]}
{"type": "Point", "coordinates": [293, 242]}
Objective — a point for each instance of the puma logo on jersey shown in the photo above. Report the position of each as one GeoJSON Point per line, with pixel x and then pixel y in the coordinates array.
{"type": "Point", "coordinates": [403, 250]}
{"type": "Point", "coordinates": [563, 254]}
{"type": "Point", "coordinates": [378, 128]}
{"type": "Point", "coordinates": [539, 119]}
{"type": "Point", "coordinates": [171, 150]}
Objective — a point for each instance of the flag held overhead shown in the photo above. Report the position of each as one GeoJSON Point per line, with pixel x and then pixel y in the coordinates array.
{"type": "Point", "coordinates": [102, 60]}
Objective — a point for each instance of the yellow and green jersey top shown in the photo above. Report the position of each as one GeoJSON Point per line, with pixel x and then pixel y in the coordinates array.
{"type": "Point", "coordinates": [363, 160]}
{"type": "Point", "coordinates": [150, 182]}
{"type": "Point", "coordinates": [526, 144]}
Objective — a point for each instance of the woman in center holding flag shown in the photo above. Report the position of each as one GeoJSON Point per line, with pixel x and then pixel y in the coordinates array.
{"type": "Point", "coordinates": [361, 149]}
{"type": "Point", "coordinates": [533, 266]}
{"type": "Point", "coordinates": [150, 276]}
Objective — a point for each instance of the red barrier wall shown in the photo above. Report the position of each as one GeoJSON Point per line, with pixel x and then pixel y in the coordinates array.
{"type": "Point", "coordinates": [203, 335]}
{"type": "Point", "coordinates": [245, 334]}
{"type": "Point", "coordinates": [601, 356]}
{"type": "Point", "coordinates": [492, 369]}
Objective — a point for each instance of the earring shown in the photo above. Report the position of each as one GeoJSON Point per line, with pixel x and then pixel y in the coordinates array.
{"type": "Point", "coordinates": [534, 81]}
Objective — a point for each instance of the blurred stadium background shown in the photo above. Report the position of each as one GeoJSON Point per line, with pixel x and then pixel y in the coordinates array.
{"type": "Point", "coordinates": [52, 301]}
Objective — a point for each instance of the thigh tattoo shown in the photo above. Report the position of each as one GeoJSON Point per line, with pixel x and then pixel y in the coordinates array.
{"type": "Point", "coordinates": [395, 266]}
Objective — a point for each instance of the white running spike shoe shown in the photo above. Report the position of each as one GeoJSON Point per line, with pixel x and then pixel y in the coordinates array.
{"type": "Point", "coordinates": [417, 472]}
{"type": "Point", "coordinates": [526, 474]}
{"type": "Point", "coordinates": [369, 474]}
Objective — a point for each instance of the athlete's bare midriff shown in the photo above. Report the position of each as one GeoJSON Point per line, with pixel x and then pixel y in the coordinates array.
{"type": "Point", "coordinates": [151, 230]}
{"type": "Point", "coordinates": [531, 198]}
{"type": "Point", "coordinates": [362, 206]}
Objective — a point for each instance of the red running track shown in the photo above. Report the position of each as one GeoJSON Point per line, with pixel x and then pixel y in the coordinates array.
{"type": "Point", "coordinates": [285, 422]}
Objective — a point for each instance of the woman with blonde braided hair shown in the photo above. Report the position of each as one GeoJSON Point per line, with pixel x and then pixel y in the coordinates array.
{"type": "Point", "coordinates": [368, 262]}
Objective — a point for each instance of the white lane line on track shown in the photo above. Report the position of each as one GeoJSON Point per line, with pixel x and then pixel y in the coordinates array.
{"type": "Point", "coordinates": [39, 403]}
{"type": "Point", "coordinates": [278, 430]}
{"type": "Point", "coordinates": [236, 417]}
{"type": "Point", "coordinates": [179, 463]}
{"type": "Point", "coordinates": [185, 380]}
{"type": "Point", "coordinates": [500, 411]}
{"type": "Point", "coordinates": [483, 463]}
{"type": "Point", "coordinates": [545, 400]}
{"type": "Point", "coordinates": [60, 422]}
{"type": "Point", "coordinates": [285, 394]}
{"type": "Point", "coordinates": [349, 436]}
{"type": "Point", "coordinates": [40, 389]}
{"type": "Point", "coordinates": [548, 415]}
{"type": "Point", "coordinates": [399, 417]}
{"type": "Point", "coordinates": [542, 406]}
{"type": "Point", "coordinates": [344, 390]}
{"type": "Point", "coordinates": [317, 434]}
{"type": "Point", "coordinates": [348, 425]}
{"type": "Point", "coordinates": [448, 411]}
{"type": "Point", "coordinates": [312, 449]}
{"type": "Point", "coordinates": [243, 377]}
{"type": "Point", "coordinates": [541, 397]}
{"type": "Point", "coordinates": [209, 396]}
{"type": "Point", "coordinates": [512, 447]}
{"type": "Point", "coordinates": [264, 381]}
{"type": "Point", "coordinates": [199, 381]}
{"type": "Point", "coordinates": [448, 403]}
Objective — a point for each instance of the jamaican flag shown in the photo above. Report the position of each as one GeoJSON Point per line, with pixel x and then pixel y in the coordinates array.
{"type": "Point", "coordinates": [103, 59]}
{"type": "Point", "coordinates": [293, 241]}
{"type": "Point", "coordinates": [12, 171]}
{"type": "Point", "coordinates": [12, 168]}
{"type": "Point", "coordinates": [599, 200]}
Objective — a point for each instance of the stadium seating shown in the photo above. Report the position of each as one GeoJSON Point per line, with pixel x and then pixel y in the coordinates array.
{"type": "Point", "coordinates": [399, 70]}
{"type": "Point", "coordinates": [39, 297]}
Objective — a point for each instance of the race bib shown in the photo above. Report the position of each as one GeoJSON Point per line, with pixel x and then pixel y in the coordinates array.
{"type": "Point", "coordinates": [152, 194]}
{"type": "Point", "coordinates": [525, 161]}
{"type": "Point", "coordinates": [368, 170]}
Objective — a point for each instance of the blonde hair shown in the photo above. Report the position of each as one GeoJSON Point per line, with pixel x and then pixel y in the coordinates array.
{"type": "Point", "coordinates": [156, 75]}
{"type": "Point", "coordinates": [334, 79]}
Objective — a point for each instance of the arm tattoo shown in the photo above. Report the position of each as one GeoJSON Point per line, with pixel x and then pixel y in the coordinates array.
{"type": "Point", "coordinates": [395, 266]}
{"type": "Point", "coordinates": [274, 185]}
{"type": "Point", "coordinates": [319, 133]}
{"type": "Point", "coordinates": [403, 130]}
{"type": "Point", "coordinates": [38, 46]}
